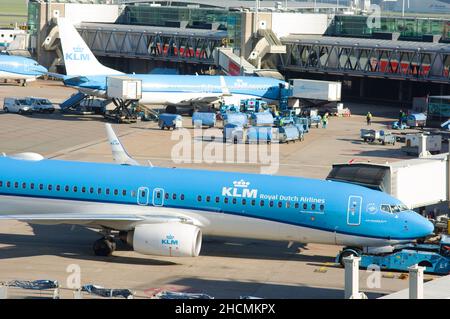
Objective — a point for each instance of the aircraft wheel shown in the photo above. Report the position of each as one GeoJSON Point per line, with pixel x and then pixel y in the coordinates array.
{"type": "Point", "coordinates": [346, 253]}
{"type": "Point", "coordinates": [5, 109]}
{"type": "Point", "coordinates": [104, 247]}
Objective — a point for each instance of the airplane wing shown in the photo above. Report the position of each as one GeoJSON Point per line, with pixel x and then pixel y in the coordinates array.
{"type": "Point", "coordinates": [124, 220]}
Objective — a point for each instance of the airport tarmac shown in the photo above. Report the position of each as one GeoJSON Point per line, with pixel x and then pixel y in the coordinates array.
{"type": "Point", "coordinates": [226, 268]}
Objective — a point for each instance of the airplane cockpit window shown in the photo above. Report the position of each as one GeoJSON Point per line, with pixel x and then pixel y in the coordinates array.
{"type": "Point", "coordinates": [394, 209]}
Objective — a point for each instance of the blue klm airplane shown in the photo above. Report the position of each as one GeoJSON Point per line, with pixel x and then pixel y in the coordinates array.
{"type": "Point", "coordinates": [165, 211]}
{"type": "Point", "coordinates": [86, 74]}
{"type": "Point", "coordinates": [19, 68]}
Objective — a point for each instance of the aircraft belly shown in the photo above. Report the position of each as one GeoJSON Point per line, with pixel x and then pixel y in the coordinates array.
{"type": "Point", "coordinates": [15, 76]}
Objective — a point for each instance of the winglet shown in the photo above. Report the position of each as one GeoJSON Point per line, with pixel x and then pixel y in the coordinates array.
{"type": "Point", "coordinates": [224, 87]}
{"type": "Point", "coordinates": [120, 155]}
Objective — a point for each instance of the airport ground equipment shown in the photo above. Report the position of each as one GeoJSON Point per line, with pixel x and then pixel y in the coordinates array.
{"type": "Point", "coordinates": [171, 121]}
{"type": "Point", "coordinates": [416, 120]}
{"type": "Point", "coordinates": [260, 134]}
{"type": "Point", "coordinates": [107, 293]}
{"type": "Point", "coordinates": [73, 101]}
{"type": "Point", "coordinates": [418, 182]}
{"type": "Point", "coordinates": [125, 93]}
{"type": "Point", "coordinates": [396, 126]}
{"type": "Point", "coordinates": [315, 120]}
{"type": "Point", "coordinates": [261, 119]}
{"type": "Point", "coordinates": [289, 133]}
{"type": "Point", "coordinates": [253, 106]}
{"type": "Point", "coordinates": [316, 90]}
{"type": "Point", "coordinates": [234, 133]}
{"type": "Point", "coordinates": [435, 257]}
{"type": "Point", "coordinates": [17, 105]}
{"type": "Point", "coordinates": [36, 285]}
{"type": "Point", "coordinates": [40, 105]}
{"type": "Point", "coordinates": [181, 295]}
{"type": "Point", "coordinates": [303, 123]}
{"type": "Point", "coordinates": [200, 119]}
{"type": "Point", "coordinates": [237, 118]}
{"type": "Point", "coordinates": [414, 144]}
{"type": "Point", "coordinates": [380, 136]}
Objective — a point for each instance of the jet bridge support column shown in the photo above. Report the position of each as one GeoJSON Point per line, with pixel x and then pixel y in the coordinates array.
{"type": "Point", "coordinates": [416, 282]}
{"type": "Point", "coordinates": [352, 278]}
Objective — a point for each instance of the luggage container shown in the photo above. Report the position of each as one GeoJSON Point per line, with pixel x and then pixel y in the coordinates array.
{"type": "Point", "coordinates": [261, 119]}
{"type": "Point", "coordinates": [200, 119]}
{"type": "Point", "coordinates": [233, 133]}
{"type": "Point", "coordinates": [235, 118]}
{"type": "Point", "coordinates": [289, 133]}
{"type": "Point", "coordinates": [171, 121]}
{"type": "Point", "coordinates": [416, 120]}
{"type": "Point", "coordinates": [371, 136]}
{"type": "Point", "coordinates": [260, 134]}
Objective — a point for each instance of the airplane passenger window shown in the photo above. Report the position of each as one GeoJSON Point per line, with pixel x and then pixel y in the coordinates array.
{"type": "Point", "coordinates": [32, 185]}
{"type": "Point", "coordinates": [91, 190]}
{"type": "Point", "coordinates": [225, 200]}
{"type": "Point", "coordinates": [99, 190]}
{"type": "Point", "coordinates": [234, 201]}
{"type": "Point", "coordinates": [83, 189]}
{"type": "Point", "coordinates": [143, 194]}
{"type": "Point", "coordinates": [305, 206]}
{"type": "Point", "coordinates": [217, 199]}
{"type": "Point", "coordinates": [288, 204]}
{"type": "Point", "coordinates": [107, 191]}
{"type": "Point", "coordinates": [24, 185]}
{"type": "Point", "coordinates": [133, 194]}
{"type": "Point", "coordinates": [182, 197]}
{"type": "Point", "coordinates": [58, 188]}
{"type": "Point", "coordinates": [124, 193]}
{"type": "Point", "coordinates": [1, 184]}
{"type": "Point", "coordinates": [244, 201]}
{"type": "Point", "coordinates": [322, 207]}
{"type": "Point", "coordinates": [8, 184]}
{"type": "Point", "coordinates": [116, 192]}
{"type": "Point", "coordinates": [41, 186]}
{"type": "Point", "coordinates": [253, 202]}
{"type": "Point", "coordinates": [313, 206]}
{"type": "Point", "coordinates": [174, 196]}
{"type": "Point", "coordinates": [296, 205]}
{"type": "Point", "coordinates": [166, 195]}
{"type": "Point", "coordinates": [66, 188]}
{"type": "Point", "coordinates": [16, 184]}
{"type": "Point", "coordinates": [49, 187]}
{"type": "Point", "coordinates": [75, 189]}
{"type": "Point", "coordinates": [261, 203]}
{"type": "Point", "coordinates": [271, 203]}
{"type": "Point", "coordinates": [208, 198]}
{"type": "Point", "coordinates": [280, 204]}
{"type": "Point", "coordinates": [199, 198]}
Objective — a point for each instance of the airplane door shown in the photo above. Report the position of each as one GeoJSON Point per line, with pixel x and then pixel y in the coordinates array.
{"type": "Point", "coordinates": [142, 196]}
{"type": "Point", "coordinates": [354, 210]}
{"type": "Point", "coordinates": [158, 197]}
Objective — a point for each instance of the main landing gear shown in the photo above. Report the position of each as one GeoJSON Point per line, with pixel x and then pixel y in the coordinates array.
{"type": "Point", "coordinates": [104, 246]}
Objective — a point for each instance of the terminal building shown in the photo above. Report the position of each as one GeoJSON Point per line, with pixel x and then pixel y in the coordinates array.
{"type": "Point", "coordinates": [391, 59]}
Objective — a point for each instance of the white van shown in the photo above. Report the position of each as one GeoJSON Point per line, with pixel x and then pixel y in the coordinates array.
{"type": "Point", "coordinates": [16, 105]}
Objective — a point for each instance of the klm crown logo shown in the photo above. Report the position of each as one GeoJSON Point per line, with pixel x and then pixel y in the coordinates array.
{"type": "Point", "coordinates": [241, 183]}
{"type": "Point", "coordinates": [78, 49]}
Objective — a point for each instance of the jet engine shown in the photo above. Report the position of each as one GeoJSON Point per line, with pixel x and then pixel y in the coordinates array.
{"type": "Point", "coordinates": [168, 239]}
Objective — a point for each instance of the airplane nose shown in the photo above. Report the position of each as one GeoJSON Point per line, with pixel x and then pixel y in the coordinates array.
{"type": "Point", "coordinates": [421, 227]}
{"type": "Point", "coordinates": [42, 69]}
